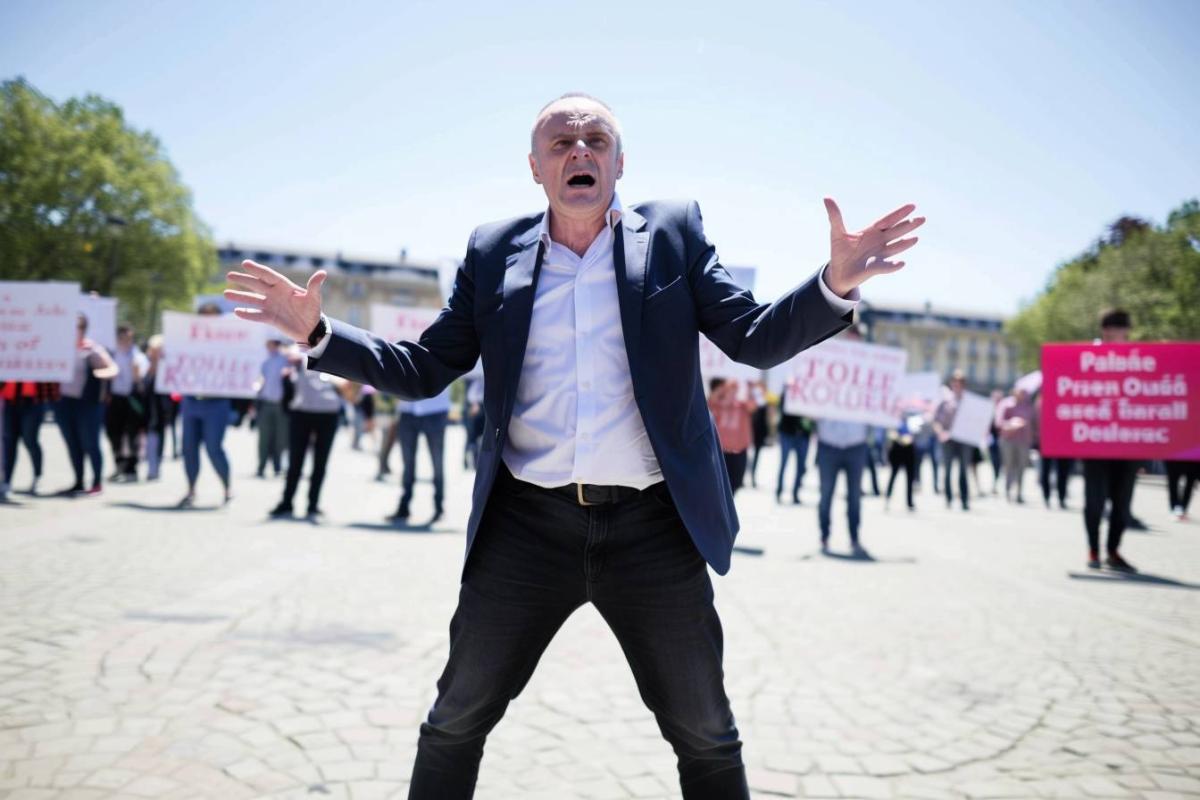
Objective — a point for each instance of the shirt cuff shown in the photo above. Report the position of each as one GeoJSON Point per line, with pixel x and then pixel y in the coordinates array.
{"type": "Point", "coordinates": [319, 349]}
{"type": "Point", "coordinates": [839, 304]}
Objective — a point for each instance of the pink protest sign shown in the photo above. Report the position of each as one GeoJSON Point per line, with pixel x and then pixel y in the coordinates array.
{"type": "Point", "coordinates": [847, 380]}
{"type": "Point", "coordinates": [401, 323]}
{"type": "Point", "coordinates": [1124, 401]}
{"type": "Point", "coordinates": [37, 330]}
{"type": "Point", "coordinates": [212, 356]}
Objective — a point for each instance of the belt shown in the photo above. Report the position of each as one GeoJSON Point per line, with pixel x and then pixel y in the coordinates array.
{"type": "Point", "coordinates": [589, 494]}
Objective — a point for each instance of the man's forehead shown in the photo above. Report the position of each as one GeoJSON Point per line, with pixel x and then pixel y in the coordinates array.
{"type": "Point", "coordinates": [576, 114]}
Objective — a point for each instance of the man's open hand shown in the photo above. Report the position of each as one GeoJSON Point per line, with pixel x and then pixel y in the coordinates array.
{"type": "Point", "coordinates": [854, 257]}
{"type": "Point", "coordinates": [275, 300]}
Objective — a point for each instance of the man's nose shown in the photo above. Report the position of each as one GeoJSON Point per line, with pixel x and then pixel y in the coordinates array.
{"type": "Point", "coordinates": [580, 150]}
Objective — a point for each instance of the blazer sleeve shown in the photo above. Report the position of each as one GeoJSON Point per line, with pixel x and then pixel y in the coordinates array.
{"type": "Point", "coordinates": [759, 334]}
{"type": "Point", "coordinates": [448, 348]}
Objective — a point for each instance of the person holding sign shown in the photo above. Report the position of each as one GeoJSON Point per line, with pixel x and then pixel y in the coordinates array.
{"type": "Point", "coordinates": [1014, 421]}
{"type": "Point", "coordinates": [943, 422]}
{"type": "Point", "coordinates": [80, 410]}
{"type": "Point", "coordinates": [205, 420]}
{"type": "Point", "coordinates": [600, 477]}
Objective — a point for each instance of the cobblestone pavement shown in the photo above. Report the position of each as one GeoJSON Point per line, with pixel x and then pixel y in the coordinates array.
{"type": "Point", "coordinates": [147, 652]}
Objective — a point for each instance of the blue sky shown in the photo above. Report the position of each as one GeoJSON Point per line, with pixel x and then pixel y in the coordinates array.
{"type": "Point", "coordinates": [1019, 128]}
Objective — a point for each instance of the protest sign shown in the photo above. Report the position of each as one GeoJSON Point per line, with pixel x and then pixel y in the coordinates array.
{"type": "Point", "coordinates": [208, 355]}
{"type": "Point", "coordinates": [973, 419]}
{"type": "Point", "coordinates": [1124, 401]}
{"type": "Point", "coordinates": [401, 323]}
{"type": "Point", "coordinates": [37, 330]}
{"type": "Point", "coordinates": [101, 313]}
{"type": "Point", "coordinates": [715, 364]}
{"type": "Point", "coordinates": [1031, 383]}
{"type": "Point", "coordinates": [846, 380]}
{"type": "Point", "coordinates": [918, 390]}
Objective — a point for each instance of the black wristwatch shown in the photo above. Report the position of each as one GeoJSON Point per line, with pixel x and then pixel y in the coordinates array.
{"type": "Point", "coordinates": [318, 333]}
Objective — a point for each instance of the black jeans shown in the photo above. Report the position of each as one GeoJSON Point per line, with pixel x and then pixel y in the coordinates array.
{"type": "Point", "coordinates": [903, 457]}
{"type": "Point", "coordinates": [305, 427]}
{"type": "Point", "coordinates": [538, 557]}
{"type": "Point", "coordinates": [433, 428]}
{"type": "Point", "coordinates": [1181, 477]}
{"type": "Point", "coordinates": [956, 451]}
{"type": "Point", "coordinates": [1062, 474]}
{"type": "Point", "coordinates": [122, 423]}
{"type": "Point", "coordinates": [1111, 481]}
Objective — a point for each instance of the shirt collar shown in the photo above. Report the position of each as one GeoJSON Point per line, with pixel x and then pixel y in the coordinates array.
{"type": "Point", "coordinates": [615, 212]}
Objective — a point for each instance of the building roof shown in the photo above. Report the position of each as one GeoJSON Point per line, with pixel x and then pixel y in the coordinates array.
{"type": "Point", "coordinates": [339, 262]}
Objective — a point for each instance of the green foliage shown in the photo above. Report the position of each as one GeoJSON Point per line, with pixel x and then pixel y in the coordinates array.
{"type": "Point", "coordinates": [1151, 272]}
{"type": "Point", "coordinates": [85, 197]}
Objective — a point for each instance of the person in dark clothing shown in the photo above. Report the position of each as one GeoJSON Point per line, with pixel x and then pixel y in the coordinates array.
{"type": "Point", "coordinates": [759, 428]}
{"type": "Point", "coordinates": [795, 433]}
{"type": "Point", "coordinates": [25, 404]}
{"type": "Point", "coordinates": [313, 422]}
{"type": "Point", "coordinates": [1109, 480]}
{"type": "Point", "coordinates": [160, 409]}
{"type": "Point", "coordinates": [1061, 469]}
{"type": "Point", "coordinates": [902, 455]}
{"type": "Point", "coordinates": [1181, 479]}
{"type": "Point", "coordinates": [80, 410]}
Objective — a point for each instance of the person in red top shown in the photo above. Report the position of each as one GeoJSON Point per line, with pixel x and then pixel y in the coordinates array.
{"type": "Point", "coordinates": [732, 415]}
{"type": "Point", "coordinates": [25, 405]}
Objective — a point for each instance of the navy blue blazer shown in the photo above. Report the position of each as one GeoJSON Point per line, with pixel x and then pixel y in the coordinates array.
{"type": "Point", "coordinates": [670, 286]}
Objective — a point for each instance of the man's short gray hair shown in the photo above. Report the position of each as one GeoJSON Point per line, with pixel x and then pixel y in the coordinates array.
{"type": "Point", "coordinates": [577, 96]}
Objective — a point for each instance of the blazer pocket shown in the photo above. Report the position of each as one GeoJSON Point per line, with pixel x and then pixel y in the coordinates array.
{"type": "Point", "coordinates": [672, 288]}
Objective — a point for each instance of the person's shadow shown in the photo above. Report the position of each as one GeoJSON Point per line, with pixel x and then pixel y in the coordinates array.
{"type": "Point", "coordinates": [136, 506]}
{"type": "Point", "coordinates": [1117, 577]}
{"type": "Point", "coordinates": [399, 527]}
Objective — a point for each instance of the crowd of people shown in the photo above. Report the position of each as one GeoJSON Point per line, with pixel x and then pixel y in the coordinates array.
{"type": "Point", "coordinates": [297, 412]}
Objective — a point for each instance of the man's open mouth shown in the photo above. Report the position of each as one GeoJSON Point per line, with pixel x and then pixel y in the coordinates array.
{"type": "Point", "coordinates": [581, 180]}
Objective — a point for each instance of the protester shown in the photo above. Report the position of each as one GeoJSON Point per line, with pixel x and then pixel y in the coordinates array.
{"type": "Point", "coordinates": [1060, 468]}
{"type": "Point", "coordinates": [759, 426]}
{"type": "Point", "coordinates": [793, 433]}
{"type": "Point", "coordinates": [841, 447]}
{"type": "Point", "coordinates": [387, 434]}
{"type": "Point", "coordinates": [313, 411]}
{"type": "Point", "coordinates": [417, 418]}
{"type": "Point", "coordinates": [927, 445]}
{"type": "Point", "coordinates": [473, 421]}
{"type": "Point", "coordinates": [1014, 421]}
{"type": "Point", "coordinates": [875, 441]}
{"type": "Point", "coordinates": [160, 409]}
{"type": "Point", "coordinates": [270, 415]}
{"type": "Point", "coordinates": [599, 479]}
{"type": "Point", "coordinates": [124, 415]}
{"type": "Point", "coordinates": [902, 455]}
{"type": "Point", "coordinates": [1109, 480]}
{"type": "Point", "coordinates": [80, 409]}
{"type": "Point", "coordinates": [364, 413]}
{"type": "Point", "coordinates": [732, 415]}
{"type": "Point", "coordinates": [25, 404]}
{"type": "Point", "coordinates": [1181, 478]}
{"type": "Point", "coordinates": [205, 420]}
{"type": "Point", "coordinates": [993, 443]}
{"type": "Point", "coordinates": [943, 422]}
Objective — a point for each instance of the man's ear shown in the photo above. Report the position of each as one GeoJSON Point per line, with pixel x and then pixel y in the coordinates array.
{"type": "Point", "coordinates": [534, 170]}
{"type": "Point", "coordinates": [621, 164]}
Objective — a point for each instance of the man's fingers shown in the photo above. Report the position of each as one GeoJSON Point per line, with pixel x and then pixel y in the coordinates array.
{"type": "Point", "coordinates": [316, 280]}
{"type": "Point", "coordinates": [243, 281]}
{"type": "Point", "coordinates": [249, 298]}
{"type": "Point", "coordinates": [904, 228]}
{"type": "Point", "coordinates": [897, 247]}
{"type": "Point", "coordinates": [891, 219]}
{"type": "Point", "coordinates": [882, 267]}
{"type": "Point", "coordinates": [835, 217]}
{"type": "Point", "coordinates": [252, 314]}
{"type": "Point", "coordinates": [265, 274]}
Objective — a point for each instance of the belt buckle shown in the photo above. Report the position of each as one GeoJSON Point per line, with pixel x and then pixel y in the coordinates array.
{"type": "Point", "coordinates": [579, 495]}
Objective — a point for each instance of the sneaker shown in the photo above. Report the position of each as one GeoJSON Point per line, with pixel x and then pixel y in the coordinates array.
{"type": "Point", "coordinates": [1179, 513]}
{"type": "Point", "coordinates": [1136, 524]}
{"type": "Point", "coordinates": [796, 500]}
{"type": "Point", "coordinates": [280, 511]}
{"type": "Point", "coordinates": [188, 501]}
{"type": "Point", "coordinates": [95, 491]}
{"type": "Point", "coordinates": [401, 515]}
{"type": "Point", "coordinates": [1114, 561]}
{"type": "Point", "coordinates": [314, 514]}
{"type": "Point", "coordinates": [438, 513]}
{"type": "Point", "coordinates": [858, 551]}
{"type": "Point", "coordinates": [1093, 561]}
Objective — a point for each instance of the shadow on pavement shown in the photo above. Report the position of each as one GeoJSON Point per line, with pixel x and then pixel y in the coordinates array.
{"type": "Point", "coordinates": [389, 527]}
{"type": "Point", "coordinates": [168, 507]}
{"type": "Point", "coordinates": [748, 551]}
{"type": "Point", "coordinates": [1124, 577]}
{"type": "Point", "coordinates": [863, 557]}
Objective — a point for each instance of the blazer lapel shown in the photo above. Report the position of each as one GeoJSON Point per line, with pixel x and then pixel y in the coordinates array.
{"type": "Point", "coordinates": [520, 282]}
{"type": "Point", "coordinates": [629, 263]}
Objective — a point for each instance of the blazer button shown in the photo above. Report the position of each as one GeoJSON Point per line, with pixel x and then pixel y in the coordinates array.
{"type": "Point", "coordinates": [497, 434]}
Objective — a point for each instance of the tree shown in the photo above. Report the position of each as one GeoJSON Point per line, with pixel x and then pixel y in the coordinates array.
{"type": "Point", "coordinates": [85, 197]}
{"type": "Point", "coordinates": [1152, 272]}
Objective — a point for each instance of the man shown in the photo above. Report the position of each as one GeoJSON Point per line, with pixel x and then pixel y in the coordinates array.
{"type": "Point", "coordinates": [943, 422]}
{"type": "Point", "coordinates": [1109, 480]}
{"type": "Point", "coordinates": [600, 478]}
{"type": "Point", "coordinates": [1014, 422]}
{"type": "Point", "coordinates": [417, 418]}
{"type": "Point", "coordinates": [124, 415]}
{"type": "Point", "coordinates": [271, 417]}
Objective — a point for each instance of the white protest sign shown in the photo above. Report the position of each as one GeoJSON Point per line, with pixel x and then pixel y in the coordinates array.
{"type": "Point", "coordinates": [1031, 383]}
{"type": "Point", "coordinates": [972, 420]}
{"type": "Point", "coordinates": [846, 380]}
{"type": "Point", "coordinates": [37, 330]}
{"type": "Point", "coordinates": [101, 313]}
{"type": "Point", "coordinates": [715, 364]}
{"type": "Point", "coordinates": [209, 355]}
{"type": "Point", "coordinates": [919, 390]}
{"type": "Point", "coordinates": [401, 323]}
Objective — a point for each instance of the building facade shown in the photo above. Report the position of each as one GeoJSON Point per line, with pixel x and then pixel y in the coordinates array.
{"type": "Point", "coordinates": [942, 340]}
{"type": "Point", "coordinates": [353, 284]}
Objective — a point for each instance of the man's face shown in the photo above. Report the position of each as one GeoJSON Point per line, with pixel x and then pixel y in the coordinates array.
{"type": "Point", "coordinates": [958, 385]}
{"type": "Point", "coordinates": [1114, 335]}
{"type": "Point", "coordinates": [124, 340]}
{"type": "Point", "coordinates": [576, 159]}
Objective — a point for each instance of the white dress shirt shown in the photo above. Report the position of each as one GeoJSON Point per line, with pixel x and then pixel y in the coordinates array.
{"type": "Point", "coordinates": [127, 361]}
{"type": "Point", "coordinates": [438, 404]}
{"type": "Point", "coordinates": [575, 417]}
{"type": "Point", "coordinates": [841, 434]}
